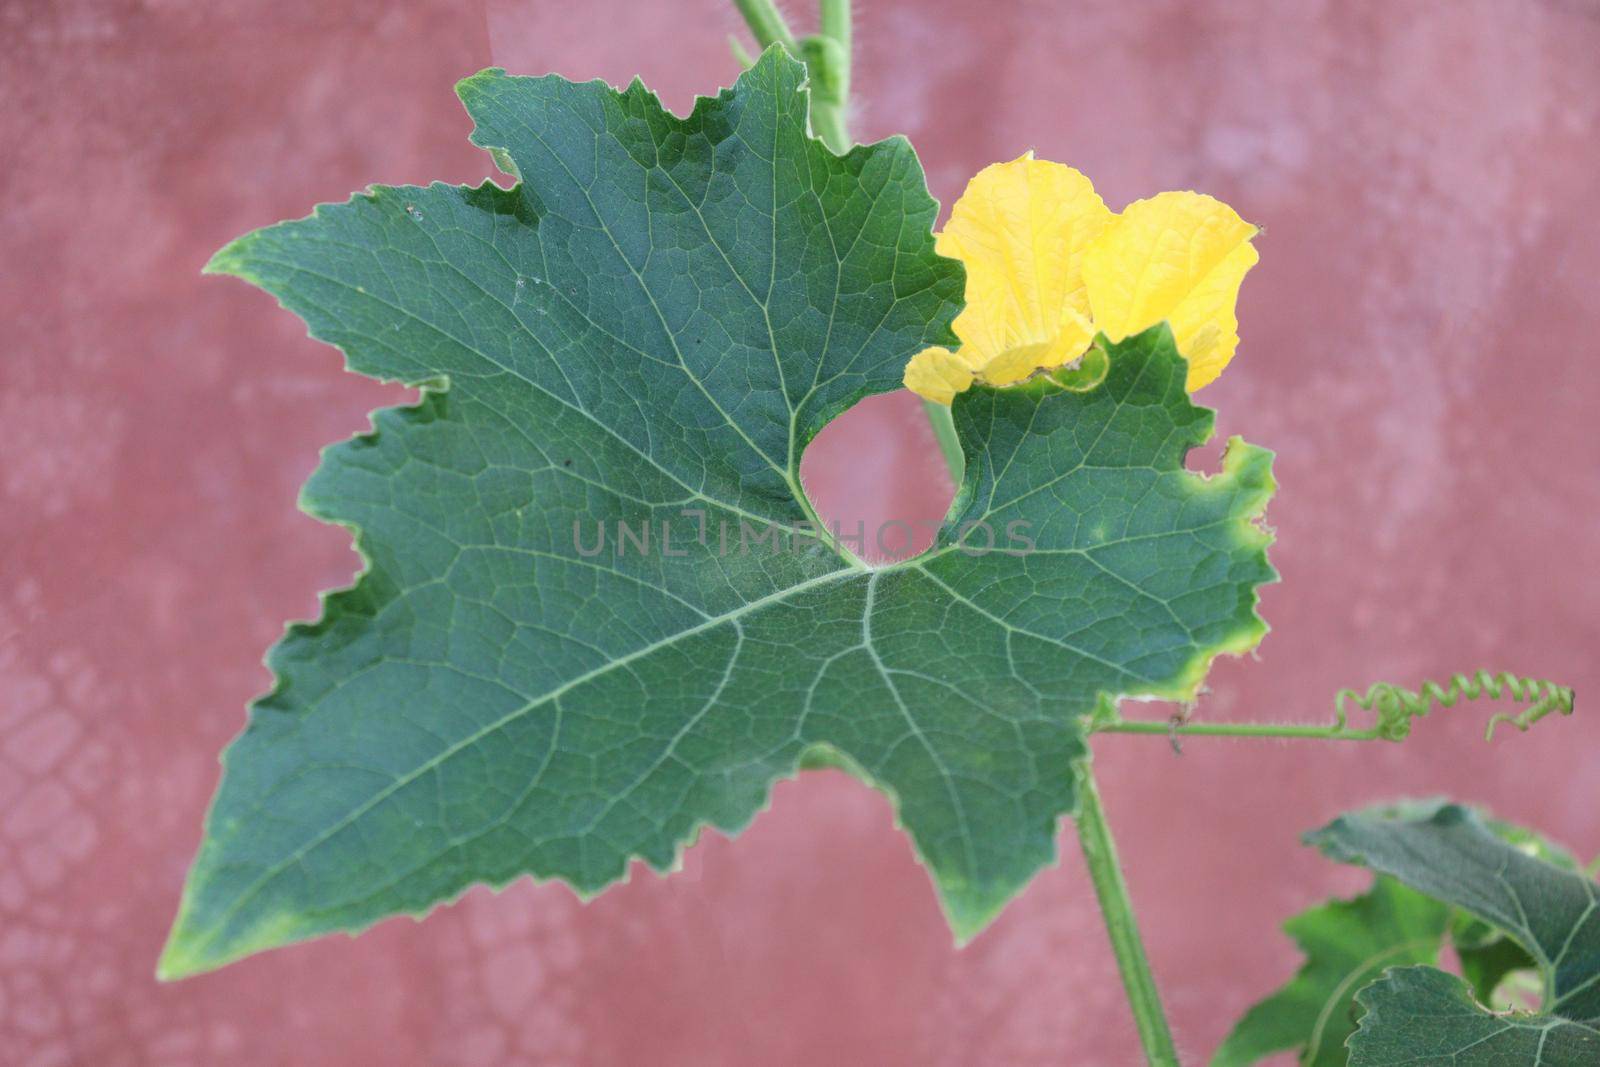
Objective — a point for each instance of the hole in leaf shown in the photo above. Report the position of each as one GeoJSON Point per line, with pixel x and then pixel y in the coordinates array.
{"type": "Point", "coordinates": [877, 471]}
{"type": "Point", "coordinates": [1206, 459]}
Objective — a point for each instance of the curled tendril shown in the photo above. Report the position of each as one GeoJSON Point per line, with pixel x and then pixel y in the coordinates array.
{"type": "Point", "coordinates": [1396, 707]}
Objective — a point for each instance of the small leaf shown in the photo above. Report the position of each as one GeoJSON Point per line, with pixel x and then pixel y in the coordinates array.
{"type": "Point", "coordinates": [1549, 908]}
{"type": "Point", "coordinates": [1423, 1017]}
{"type": "Point", "coordinates": [1347, 943]}
{"type": "Point", "coordinates": [1450, 853]}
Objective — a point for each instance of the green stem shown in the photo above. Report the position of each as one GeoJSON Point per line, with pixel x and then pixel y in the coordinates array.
{"type": "Point", "coordinates": [767, 25]}
{"type": "Point", "coordinates": [1100, 855]}
{"type": "Point", "coordinates": [836, 24]}
{"type": "Point", "coordinates": [828, 123]}
{"type": "Point", "coordinates": [944, 431]}
{"type": "Point", "coordinates": [829, 115]}
{"type": "Point", "coordinates": [1236, 729]}
{"type": "Point", "coordinates": [742, 54]}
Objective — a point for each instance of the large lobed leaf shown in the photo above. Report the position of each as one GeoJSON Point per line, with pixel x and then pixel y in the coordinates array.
{"type": "Point", "coordinates": [1422, 1015]}
{"type": "Point", "coordinates": [655, 322]}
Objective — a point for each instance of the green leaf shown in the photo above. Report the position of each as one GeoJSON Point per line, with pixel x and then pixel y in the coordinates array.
{"type": "Point", "coordinates": [1347, 944]}
{"type": "Point", "coordinates": [1423, 1017]}
{"type": "Point", "coordinates": [1551, 910]}
{"type": "Point", "coordinates": [1488, 956]}
{"type": "Point", "coordinates": [1452, 854]}
{"type": "Point", "coordinates": [658, 320]}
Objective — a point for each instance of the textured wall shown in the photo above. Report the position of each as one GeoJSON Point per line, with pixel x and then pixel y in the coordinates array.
{"type": "Point", "coordinates": [1418, 347]}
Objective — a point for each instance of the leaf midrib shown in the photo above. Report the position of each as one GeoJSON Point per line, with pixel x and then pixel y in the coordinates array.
{"type": "Point", "coordinates": [482, 732]}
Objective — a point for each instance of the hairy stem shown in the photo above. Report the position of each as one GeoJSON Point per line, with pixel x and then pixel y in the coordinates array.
{"type": "Point", "coordinates": [828, 123]}
{"type": "Point", "coordinates": [1320, 732]}
{"type": "Point", "coordinates": [831, 98]}
{"type": "Point", "coordinates": [836, 25]}
{"type": "Point", "coordinates": [767, 25]}
{"type": "Point", "coordinates": [1100, 854]}
{"type": "Point", "coordinates": [1393, 709]}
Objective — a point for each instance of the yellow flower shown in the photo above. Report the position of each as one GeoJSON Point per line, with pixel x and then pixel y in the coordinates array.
{"type": "Point", "coordinates": [1049, 266]}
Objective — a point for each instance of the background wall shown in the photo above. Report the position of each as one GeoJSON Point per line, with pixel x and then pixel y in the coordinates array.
{"type": "Point", "coordinates": [1419, 347]}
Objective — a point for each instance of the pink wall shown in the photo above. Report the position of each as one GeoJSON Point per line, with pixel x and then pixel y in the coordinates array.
{"type": "Point", "coordinates": [1419, 347]}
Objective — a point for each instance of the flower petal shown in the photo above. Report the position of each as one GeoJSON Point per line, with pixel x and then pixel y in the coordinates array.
{"type": "Point", "coordinates": [937, 374]}
{"type": "Point", "coordinates": [1015, 364]}
{"type": "Point", "coordinates": [1021, 228]}
{"type": "Point", "coordinates": [1178, 258]}
{"type": "Point", "coordinates": [1205, 327]}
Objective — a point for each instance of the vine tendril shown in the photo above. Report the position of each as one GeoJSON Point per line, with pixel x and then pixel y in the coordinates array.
{"type": "Point", "coordinates": [1395, 707]}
